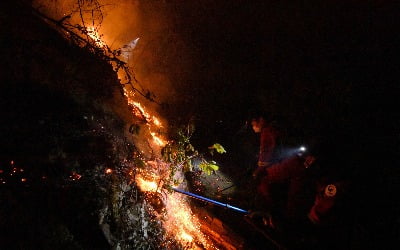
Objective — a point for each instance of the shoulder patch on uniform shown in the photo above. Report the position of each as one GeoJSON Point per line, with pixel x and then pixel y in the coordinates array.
{"type": "Point", "coordinates": [330, 190]}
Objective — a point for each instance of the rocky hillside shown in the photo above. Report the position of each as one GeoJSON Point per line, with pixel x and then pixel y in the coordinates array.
{"type": "Point", "coordinates": [64, 121]}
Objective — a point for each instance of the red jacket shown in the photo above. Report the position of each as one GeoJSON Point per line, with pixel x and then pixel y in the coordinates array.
{"type": "Point", "coordinates": [267, 146]}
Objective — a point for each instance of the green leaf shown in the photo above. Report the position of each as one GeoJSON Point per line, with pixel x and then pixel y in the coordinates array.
{"type": "Point", "coordinates": [208, 167]}
{"type": "Point", "coordinates": [218, 147]}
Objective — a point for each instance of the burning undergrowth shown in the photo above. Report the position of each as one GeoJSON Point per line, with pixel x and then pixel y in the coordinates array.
{"type": "Point", "coordinates": [102, 146]}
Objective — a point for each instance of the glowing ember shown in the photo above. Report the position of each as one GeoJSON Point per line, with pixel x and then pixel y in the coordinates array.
{"type": "Point", "coordinates": [157, 122]}
{"type": "Point", "coordinates": [75, 176]}
{"type": "Point", "coordinates": [180, 223]}
{"type": "Point", "coordinates": [158, 140]}
{"type": "Point", "coordinates": [142, 111]}
{"type": "Point", "coordinates": [186, 237]}
{"type": "Point", "coordinates": [183, 224]}
{"type": "Point", "coordinates": [139, 111]}
{"type": "Point", "coordinates": [92, 33]}
{"type": "Point", "coordinates": [145, 185]}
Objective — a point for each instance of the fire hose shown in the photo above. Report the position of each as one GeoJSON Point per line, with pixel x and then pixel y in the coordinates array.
{"type": "Point", "coordinates": [202, 198]}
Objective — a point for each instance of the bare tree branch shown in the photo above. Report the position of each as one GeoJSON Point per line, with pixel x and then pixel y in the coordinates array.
{"type": "Point", "coordinates": [106, 53]}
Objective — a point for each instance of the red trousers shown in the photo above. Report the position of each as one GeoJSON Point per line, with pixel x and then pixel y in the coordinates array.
{"type": "Point", "coordinates": [290, 175]}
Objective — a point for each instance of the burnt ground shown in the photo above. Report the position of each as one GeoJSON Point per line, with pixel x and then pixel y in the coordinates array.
{"type": "Point", "coordinates": [52, 132]}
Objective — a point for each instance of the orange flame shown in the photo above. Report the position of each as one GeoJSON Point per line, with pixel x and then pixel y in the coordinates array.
{"type": "Point", "coordinates": [145, 185]}
{"type": "Point", "coordinates": [160, 142]}
{"type": "Point", "coordinates": [157, 122]}
{"type": "Point", "coordinates": [180, 224]}
{"type": "Point", "coordinates": [183, 224]}
{"type": "Point", "coordinates": [141, 112]}
{"type": "Point", "coordinates": [94, 34]}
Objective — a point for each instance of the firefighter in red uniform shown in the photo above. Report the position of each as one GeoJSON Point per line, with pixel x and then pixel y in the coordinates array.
{"type": "Point", "coordinates": [281, 184]}
{"type": "Point", "coordinates": [268, 136]}
{"type": "Point", "coordinates": [285, 187]}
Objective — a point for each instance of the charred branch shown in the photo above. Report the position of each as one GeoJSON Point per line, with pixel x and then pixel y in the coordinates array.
{"type": "Point", "coordinates": [105, 53]}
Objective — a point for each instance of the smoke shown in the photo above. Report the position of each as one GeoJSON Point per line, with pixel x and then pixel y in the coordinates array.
{"type": "Point", "coordinates": [159, 58]}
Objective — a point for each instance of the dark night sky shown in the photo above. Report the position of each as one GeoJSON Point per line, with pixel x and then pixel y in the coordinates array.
{"type": "Point", "coordinates": [311, 62]}
{"type": "Point", "coordinates": [323, 67]}
{"type": "Point", "coordinates": [327, 69]}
